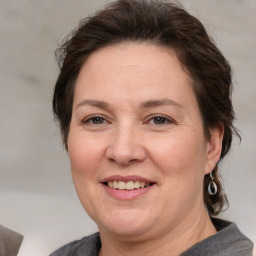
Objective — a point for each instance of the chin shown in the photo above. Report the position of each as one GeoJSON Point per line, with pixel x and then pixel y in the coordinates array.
{"type": "Point", "coordinates": [127, 223]}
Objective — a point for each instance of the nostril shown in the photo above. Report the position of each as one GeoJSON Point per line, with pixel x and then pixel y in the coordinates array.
{"type": "Point", "coordinates": [121, 161]}
{"type": "Point", "coordinates": [124, 152]}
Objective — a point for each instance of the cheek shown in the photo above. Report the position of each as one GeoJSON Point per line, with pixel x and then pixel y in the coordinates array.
{"type": "Point", "coordinates": [84, 154]}
{"type": "Point", "coordinates": [181, 162]}
{"type": "Point", "coordinates": [180, 153]}
{"type": "Point", "coordinates": [85, 157]}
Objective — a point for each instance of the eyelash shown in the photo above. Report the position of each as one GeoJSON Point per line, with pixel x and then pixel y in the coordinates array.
{"type": "Point", "coordinates": [166, 119]}
{"type": "Point", "coordinates": [89, 120]}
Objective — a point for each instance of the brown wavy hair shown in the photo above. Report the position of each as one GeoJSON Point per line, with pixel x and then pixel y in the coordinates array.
{"type": "Point", "coordinates": [167, 25]}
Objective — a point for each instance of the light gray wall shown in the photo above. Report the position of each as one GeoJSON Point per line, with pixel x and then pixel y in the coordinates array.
{"type": "Point", "coordinates": [37, 197]}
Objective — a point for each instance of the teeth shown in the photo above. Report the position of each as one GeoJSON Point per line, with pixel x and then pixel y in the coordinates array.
{"type": "Point", "coordinates": [130, 185]}
{"type": "Point", "coordinates": [110, 184]}
{"type": "Point", "coordinates": [137, 184]}
{"type": "Point", "coordinates": [121, 185]}
{"type": "Point", "coordinates": [115, 184]}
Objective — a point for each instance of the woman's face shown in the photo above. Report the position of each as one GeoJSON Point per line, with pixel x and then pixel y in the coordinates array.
{"type": "Point", "coordinates": [136, 123]}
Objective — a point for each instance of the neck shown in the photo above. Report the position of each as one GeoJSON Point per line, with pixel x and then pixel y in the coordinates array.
{"type": "Point", "coordinates": [173, 243]}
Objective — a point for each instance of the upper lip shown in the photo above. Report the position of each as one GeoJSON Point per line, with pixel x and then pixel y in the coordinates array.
{"type": "Point", "coordinates": [126, 179]}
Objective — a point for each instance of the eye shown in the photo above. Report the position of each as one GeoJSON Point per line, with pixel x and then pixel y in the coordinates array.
{"type": "Point", "coordinates": [160, 120]}
{"type": "Point", "coordinates": [94, 120]}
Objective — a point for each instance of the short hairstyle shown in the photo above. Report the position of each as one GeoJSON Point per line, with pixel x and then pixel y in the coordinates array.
{"type": "Point", "coordinates": [167, 25]}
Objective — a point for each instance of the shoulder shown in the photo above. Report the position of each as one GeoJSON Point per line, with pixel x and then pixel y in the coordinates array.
{"type": "Point", "coordinates": [87, 246]}
{"type": "Point", "coordinates": [228, 241]}
{"type": "Point", "coordinates": [10, 241]}
{"type": "Point", "coordinates": [231, 240]}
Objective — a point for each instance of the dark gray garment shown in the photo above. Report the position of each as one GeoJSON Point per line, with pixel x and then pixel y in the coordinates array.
{"type": "Point", "coordinates": [228, 241]}
{"type": "Point", "coordinates": [10, 242]}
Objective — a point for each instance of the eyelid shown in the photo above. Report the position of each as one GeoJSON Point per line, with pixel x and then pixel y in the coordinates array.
{"type": "Point", "coordinates": [88, 118]}
{"type": "Point", "coordinates": [148, 119]}
{"type": "Point", "coordinates": [168, 119]}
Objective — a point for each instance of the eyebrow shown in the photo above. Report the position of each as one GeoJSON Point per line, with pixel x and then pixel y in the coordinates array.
{"type": "Point", "coordinates": [161, 102]}
{"type": "Point", "coordinates": [143, 105]}
{"type": "Point", "coordinates": [94, 103]}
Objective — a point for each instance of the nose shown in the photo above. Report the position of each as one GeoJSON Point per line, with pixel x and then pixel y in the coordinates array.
{"type": "Point", "coordinates": [125, 146]}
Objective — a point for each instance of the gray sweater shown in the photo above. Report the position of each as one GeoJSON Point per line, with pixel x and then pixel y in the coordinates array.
{"type": "Point", "coordinates": [228, 241]}
{"type": "Point", "coordinates": [10, 242]}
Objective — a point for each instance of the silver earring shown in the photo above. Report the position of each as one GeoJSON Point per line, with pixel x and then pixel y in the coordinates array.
{"type": "Point", "coordinates": [212, 187]}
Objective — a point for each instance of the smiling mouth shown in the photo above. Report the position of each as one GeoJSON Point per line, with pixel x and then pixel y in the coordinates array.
{"type": "Point", "coordinates": [129, 185]}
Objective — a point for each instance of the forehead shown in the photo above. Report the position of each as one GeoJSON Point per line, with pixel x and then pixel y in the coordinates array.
{"type": "Point", "coordinates": [132, 70]}
{"type": "Point", "coordinates": [132, 55]}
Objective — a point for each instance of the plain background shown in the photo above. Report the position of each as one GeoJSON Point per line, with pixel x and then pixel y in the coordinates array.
{"type": "Point", "coordinates": [37, 197]}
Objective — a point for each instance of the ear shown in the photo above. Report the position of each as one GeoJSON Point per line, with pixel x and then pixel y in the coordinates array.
{"type": "Point", "coordinates": [214, 147]}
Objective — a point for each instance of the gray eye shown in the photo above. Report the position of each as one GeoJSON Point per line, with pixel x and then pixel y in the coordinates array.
{"type": "Point", "coordinates": [97, 120]}
{"type": "Point", "coordinates": [159, 120]}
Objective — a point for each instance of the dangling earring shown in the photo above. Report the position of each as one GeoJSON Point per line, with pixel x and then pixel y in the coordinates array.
{"type": "Point", "coordinates": [212, 187]}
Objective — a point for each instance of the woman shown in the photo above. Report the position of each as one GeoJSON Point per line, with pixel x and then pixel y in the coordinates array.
{"type": "Point", "coordinates": [143, 103]}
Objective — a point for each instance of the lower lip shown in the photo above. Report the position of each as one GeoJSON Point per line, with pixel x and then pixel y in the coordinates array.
{"type": "Point", "coordinates": [123, 194]}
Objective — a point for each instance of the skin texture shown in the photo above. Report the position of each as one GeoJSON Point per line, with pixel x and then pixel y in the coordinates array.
{"type": "Point", "coordinates": [120, 92]}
